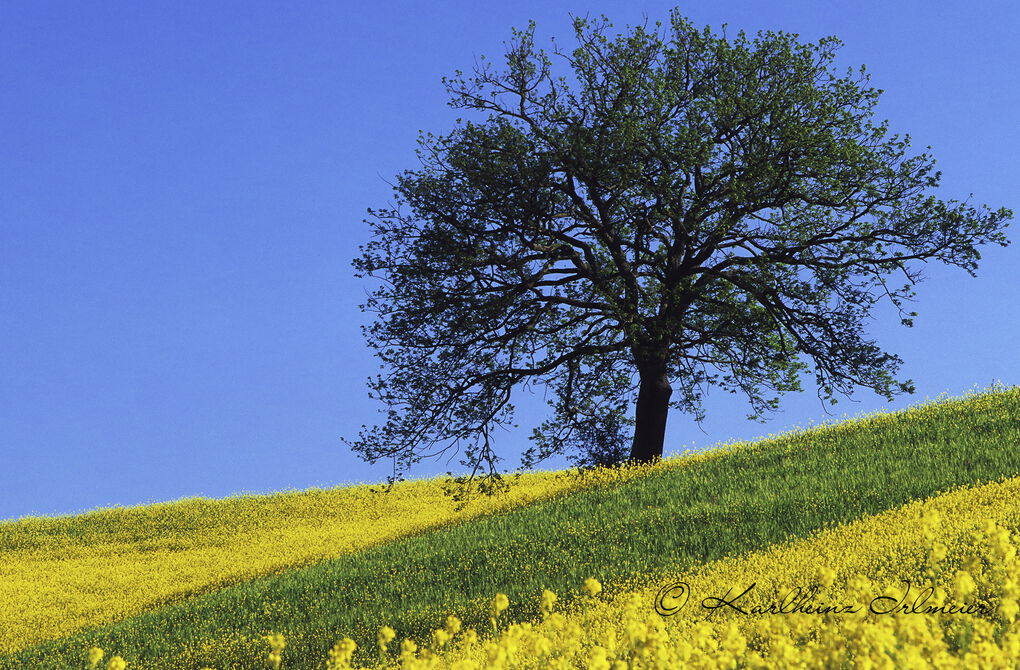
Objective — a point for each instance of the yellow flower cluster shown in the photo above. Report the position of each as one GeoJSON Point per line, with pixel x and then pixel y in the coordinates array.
{"type": "Point", "coordinates": [959, 609]}
{"type": "Point", "coordinates": [340, 654]}
{"type": "Point", "coordinates": [276, 643]}
{"type": "Point", "coordinates": [96, 654]}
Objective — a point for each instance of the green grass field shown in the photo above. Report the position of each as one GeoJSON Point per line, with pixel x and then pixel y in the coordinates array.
{"type": "Point", "coordinates": [744, 499]}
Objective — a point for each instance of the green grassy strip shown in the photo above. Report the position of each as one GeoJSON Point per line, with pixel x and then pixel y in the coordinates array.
{"type": "Point", "coordinates": [784, 488]}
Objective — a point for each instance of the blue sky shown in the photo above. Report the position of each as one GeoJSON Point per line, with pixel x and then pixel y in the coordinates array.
{"type": "Point", "coordinates": [183, 186]}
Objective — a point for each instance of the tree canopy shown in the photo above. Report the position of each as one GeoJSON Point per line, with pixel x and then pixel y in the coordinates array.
{"type": "Point", "coordinates": [676, 210]}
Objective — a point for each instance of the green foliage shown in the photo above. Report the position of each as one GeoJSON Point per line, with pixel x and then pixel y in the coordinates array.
{"type": "Point", "coordinates": [683, 211]}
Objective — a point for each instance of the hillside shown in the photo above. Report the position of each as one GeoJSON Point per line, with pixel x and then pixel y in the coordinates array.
{"type": "Point", "coordinates": [626, 528]}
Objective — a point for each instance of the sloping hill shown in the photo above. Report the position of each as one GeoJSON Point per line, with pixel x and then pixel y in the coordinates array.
{"type": "Point", "coordinates": [62, 574]}
{"type": "Point", "coordinates": [675, 517]}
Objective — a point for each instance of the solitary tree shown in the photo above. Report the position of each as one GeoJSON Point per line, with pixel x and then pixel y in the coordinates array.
{"type": "Point", "coordinates": [682, 211]}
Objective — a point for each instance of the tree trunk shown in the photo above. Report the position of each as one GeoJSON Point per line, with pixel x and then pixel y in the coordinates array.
{"type": "Point", "coordinates": [652, 410]}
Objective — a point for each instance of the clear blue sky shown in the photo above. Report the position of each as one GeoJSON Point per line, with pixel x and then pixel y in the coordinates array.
{"type": "Point", "coordinates": [182, 188]}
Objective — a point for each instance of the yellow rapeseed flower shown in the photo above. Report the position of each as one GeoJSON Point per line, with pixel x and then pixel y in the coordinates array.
{"type": "Point", "coordinates": [592, 587]}
{"type": "Point", "coordinates": [276, 642]}
{"type": "Point", "coordinates": [440, 637]}
{"type": "Point", "coordinates": [385, 636]}
{"type": "Point", "coordinates": [964, 584]}
{"type": "Point", "coordinates": [499, 603]}
{"type": "Point", "coordinates": [548, 602]}
{"type": "Point", "coordinates": [340, 654]}
{"type": "Point", "coordinates": [453, 625]}
{"type": "Point", "coordinates": [95, 655]}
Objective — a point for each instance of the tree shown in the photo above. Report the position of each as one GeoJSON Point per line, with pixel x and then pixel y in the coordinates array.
{"type": "Point", "coordinates": [683, 211]}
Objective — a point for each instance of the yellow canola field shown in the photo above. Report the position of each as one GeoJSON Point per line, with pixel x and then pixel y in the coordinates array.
{"type": "Point", "coordinates": [58, 575]}
{"type": "Point", "coordinates": [961, 545]}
